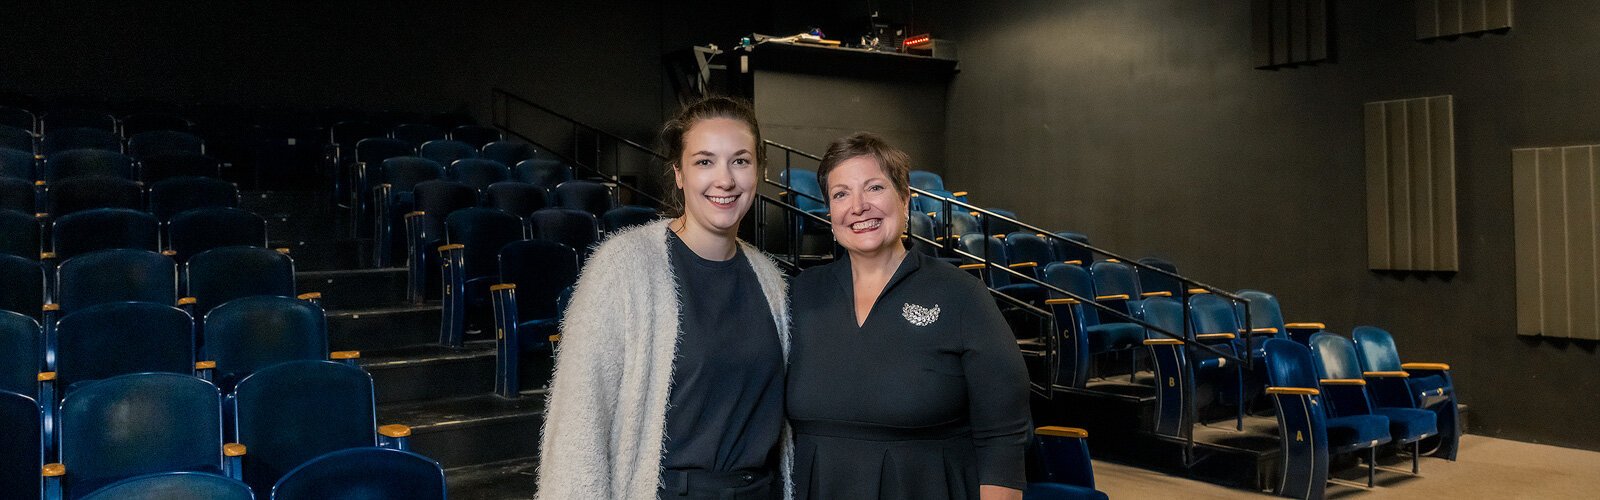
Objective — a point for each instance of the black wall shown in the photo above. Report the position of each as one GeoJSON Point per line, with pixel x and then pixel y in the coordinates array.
{"type": "Point", "coordinates": [1143, 125]}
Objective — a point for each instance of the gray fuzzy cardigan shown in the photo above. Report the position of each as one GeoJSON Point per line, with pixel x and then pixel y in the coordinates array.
{"type": "Point", "coordinates": [605, 416]}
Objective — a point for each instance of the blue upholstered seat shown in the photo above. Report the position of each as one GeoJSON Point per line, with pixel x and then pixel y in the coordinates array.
{"type": "Point", "coordinates": [175, 486]}
{"type": "Point", "coordinates": [364, 473]}
{"type": "Point", "coordinates": [173, 195]}
{"type": "Point", "coordinates": [105, 228]}
{"type": "Point", "coordinates": [592, 197]}
{"type": "Point", "coordinates": [194, 231]}
{"type": "Point", "coordinates": [508, 152]}
{"type": "Point", "coordinates": [447, 151]}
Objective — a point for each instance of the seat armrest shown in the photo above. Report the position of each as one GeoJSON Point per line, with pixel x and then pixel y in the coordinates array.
{"type": "Point", "coordinates": [1117, 296]}
{"type": "Point", "coordinates": [233, 460]}
{"type": "Point", "coordinates": [346, 357]}
{"type": "Point", "coordinates": [1306, 326]}
{"type": "Point", "coordinates": [312, 297]}
{"type": "Point", "coordinates": [169, 253]}
{"type": "Point", "coordinates": [1215, 336]}
{"type": "Point", "coordinates": [1061, 301]}
{"type": "Point", "coordinates": [204, 369]}
{"type": "Point", "coordinates": [1343, 381]}
{"type": "Point", "coordinates": [1294, 391]}
{"type": "Point", "coordinates": [282, 250]}
{"type": "Point", "coordinates": [959, 193]}
{"type": "Point", "coordinates": [1264, 331]}
{"type": "Point", "coordinates": [1024, 264]}
{"type": "Point", "coordinates": [1074, 262]}
{"type": "Point", "coordinates": [394, 436]}
{"type": "Point", "coordinates": [1426, 366]}
{"type": "Point", "coordinates": [1156, 294]}
{"type": "Point", "coordinates": [1066, 432]}
{"type": "Point", "coordinates": [555, 338]}
{"type": "Point", "coordinates": [970, 267]}
{"type": "Point", "coordinates": [1163, 342]}
{"type": "Point", "coordinates": [1400, 374]}
{"type": "Point", "coordinates": [186, 301]}
{"type": "Point", "coordinates": [51, 474]}
{"type": "Point", "coordinates": [1198, 291]}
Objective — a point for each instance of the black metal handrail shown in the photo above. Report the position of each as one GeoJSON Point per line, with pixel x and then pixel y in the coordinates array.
{"type": "Point", "coordinates": [500, 109]}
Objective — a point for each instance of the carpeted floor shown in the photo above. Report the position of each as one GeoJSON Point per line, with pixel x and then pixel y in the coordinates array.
{"type": "Point", "coordinates": [1488, 468]}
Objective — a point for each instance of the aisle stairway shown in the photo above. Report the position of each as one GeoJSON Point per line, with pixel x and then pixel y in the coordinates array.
{"type": "Point", "coordinates": [486, 443]}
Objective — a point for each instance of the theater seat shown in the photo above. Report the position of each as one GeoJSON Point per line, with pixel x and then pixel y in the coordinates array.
{"type": "Point", "coordinates": [155, 168]}
{"type": "Point", "coordinates": [1426, 386]}
{"type": "Point", "coordinates": [145, 144]}
{"type": "Point", "coordinates": [116, 275]}
{"type": "Point", "coordinates": [476, 135]}
{"type": "Point", "coordinates": [446, 151]}
{"type": "Point", "coordinates": [519, 198]}
{"type": "Point", "coordinates": [76, 138]}
{"type": "Point", "coordinates": [1308, 434]}
{"type": "Point", "coordinates": [192, 232]}
{"type": "Point", "coordinates": [65, 164]}
{"type": "Point", "coordinates": [19, 234]}
{"type": "Point", "coordinates": [574, 228]}
{"type": "Point", "coordinates": [508, 152]}
{"type": "Point", "coordinates": [435, 201]}
{"type": "Point", "coordinates": [592, 197]}
{"type": "Point", "coordinates": [543, 172]}
{"type": "Point", "coordinates": [175, 486]}
{"type": "Point", "coordinates": [221, 275]}
{"type": "Point", "coordinates": [533, 275]}
{"type": "Point", "coordinates": [1060, 468]}
{"type": "Point", "coordinates": [469, 265]}
{"type": "Point", "coordinates": [18, 164]}
{"type": "Point", "coordinates": [477, 172]}
{"type": "Point", "coordinates": [251, 333]}
{"type": "Point", "coordinates": [622, 217]}
{"type": "Point", "coordinates": [170, 196]}
{"type": "Point", "coordinates": [90, 192]}
{"type": "Point", "coordinates": [22, 447]}
{"type": "Point", "coordinates": [364, 473]}
{"type": "Point", "coordinates": [417, 134]}
{"type": "Point", "coordinates": [86, 231]}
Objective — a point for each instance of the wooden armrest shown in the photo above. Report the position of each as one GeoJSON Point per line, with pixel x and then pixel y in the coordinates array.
{"type": "Point", "coordinates": [1215, 336]}
{"type": "Point", "coordinates": [233, 450]}
{"type": "Point", "coordinates": [1299, 391]}
{"type": "Point", "coordinates": [1156, 294]}
{"type": "Point", "coordinates": [282, 250]}
{"type": "Point", "coordinates": [503, 286]}
{"type": "Point", "coordinates": [1112, 260]}
{"type": "Point", "coordinates": [1064, 300]}
{"type": "Point", "coordinates": [1119, 296]}
{"type": "Point", "coordinates": [1306, 326]}
{"type": "Point", "coordinates": [51, 307]}
{"type": "Point", "coordinates": [394, 431]}
{"type": "Point", "coordinates": [386, 185]}
{"type": "Point", "coordinates": [186, 301]}
{"type": "Point", "coordinates": [970, 266]}
{"type": "Point", "coordinates": [959, 193]}
{"type": "Point", "coordinates": [555, 338]}
{"type": "Point", "coordinates": [1074, 262]}
{"type": "Point", "coordinates": [309, 295]}
{"type": "Point", "coordinates": [53, 470]}
{"type": "Point", "coordinates": [205, 365]}
{"type": "Point", "coordinates": [1268, 330]}
{"type": "Point", "coordinates": [38, 183]}
{"type": "Point", "coordinates": [973, 213]}
{"type": "Point", "coordinates": [1343, 381]}
{"type": "Point", "coordinates": [1163, 342]}
{"type": "Point", "coordinates": [344, 355]}
{"type": "Point", "coordinates": [169, 253]}
{"type": "Point", "coordinates": [47, 255]}
{"type": "Point", "coordinates": [453, 246]}
{"type": "Point", "coordinates": [1198, 291]}
{"type": "Point", "coordinates": [1385, 374]}
{"type": "Point", "coordinates": [1000, 236]}
{"type": "Point", "coordinates": [1067, 432]}
{"type": "Point", "coordinates": [46, 376]}
{"type": "Point", "coordinates": [1426, 366]}
{"type": "Point", "coordinates": [1025, 264]}
{"type": "Point", "coordinates": [415, 213]}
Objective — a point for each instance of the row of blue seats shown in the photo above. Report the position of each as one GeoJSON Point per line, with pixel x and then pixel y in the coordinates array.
{"type": "Point", "coordinates": [187, 233]}
{"type": "Point", "coordinates": [66, 118]}
{"type": "Point", "coordinates": [301, 429]}
{"type": "Point", "coordinates": [25, 166]}
{"type": "Point", "coordinates": [143, 144]}
{"type": "Point", "coordinates": [164, 198]}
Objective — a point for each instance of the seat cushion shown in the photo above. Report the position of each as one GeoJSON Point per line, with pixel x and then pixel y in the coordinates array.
{"type": "Point", "coordinates": [1357, 432]}
{"type": "Point", "coordinates": [1108, 336]}
{"type": "Point", "coordinates": [1430, 390]}
{"type": "Point", "coordinates": [1409, 424]}
{"type": "Point", "coordinates": [1061, 491]}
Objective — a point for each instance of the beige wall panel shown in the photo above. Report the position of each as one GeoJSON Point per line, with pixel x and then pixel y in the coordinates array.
{"type": "Point", "coordinates": [1525, 211]}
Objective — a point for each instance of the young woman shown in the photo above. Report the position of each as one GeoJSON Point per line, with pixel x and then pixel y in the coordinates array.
{"type": "Point", "coordinates": [905, 382]}
{"type": "Point", "coordinates": [669, 376]}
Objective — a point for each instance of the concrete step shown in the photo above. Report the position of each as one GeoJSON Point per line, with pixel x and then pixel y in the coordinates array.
{"type": "Point", "coordinates": [356, 289]}
{"type": "Point", "coordinates": [508, 480]}
{"type": "Point", "coordinates": [428, 372]}
{"type": "Point", "coordinates": [384, 328]}
{"type": "Point", "coordinates": [473, 430]}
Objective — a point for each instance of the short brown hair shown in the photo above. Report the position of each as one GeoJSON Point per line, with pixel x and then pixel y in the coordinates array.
{"type": "Point", "coordinates": [894, 162]}
{"type": "Point", "coordinates": [704, 109]}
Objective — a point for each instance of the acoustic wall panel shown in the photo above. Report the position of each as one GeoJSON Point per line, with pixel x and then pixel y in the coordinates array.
{"type": "Point", "coordinates": [1555, 195]}
{"type": "Point", "coordinates": [1444, 18]}
{"type": "Point", "coordinates": [1411, 201]}
{"type": "Point", "coordinates": [1289, 33]}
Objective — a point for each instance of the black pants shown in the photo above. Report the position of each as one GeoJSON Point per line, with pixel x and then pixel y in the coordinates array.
{"type": "Point", "coordinates": [694, 484]}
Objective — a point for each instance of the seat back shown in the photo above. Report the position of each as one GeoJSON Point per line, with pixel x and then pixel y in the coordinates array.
{"type": "Point", "coordinates": [1264, 311]}
{"type": "Point", "coordinates": [1151, 281]}
{"type": "Point", "coordinates": [96, 191]}
{"type": "Point", "coordinates": [177, 194]}
{"type": "Point", "coordinates": [21, 285]}
{"type": "Point", "coordinates": [374, 150]}
{"type": "Point", "coordinates": [367, 472]}
{"type": "Point", "coordinates": [997, 226]}
{"type": "Point", "coordinates": [920, 224]}
{"type": "Point", "coordinates": [220, 275]}
{"type": "Point", "coordinates": [173, 486]}
{"type": "Point", "coordinates": [541, 269]}
{"type": "Point", "coordinates": [178, 421]}
{"type": "Point", "coordinates": [21, 353]}
{"type": "Point", "coordinates": [1074, 279]}
{"type": "Point", "coordinates": [1212, 314]}
{"type": "Point", "coordinates": [993, 250]}
{"type": "Point", "coordinates": [438, 199]}
{"type": "Point", "coordinates": [806, 194]}
{"type": "Point", "coordinates": [194, 231]}
{"type": "Point", "coordinates": [476, 135]}
{"type": "Point", "coordinates": [1028, 247]}
{"type": "Point", "coordinates": [478, 172]}
{"type": "Point", "coordinates": [927, 181]}
{"type": "Point", "coordinates": [577, 229]}
{"type": "Point", "coordinates": [1163, 312]}
{"type": "Point", "coordinates": [135, 124]}
{"type": "Point", "coordinates": [629, 215]}
{"type": "Point", "coordinates": [416, 134]}
{"type": "Point", "coordinates": [164, 141]}
{"type": "Point", "coordinates": [105, 228]}
{"type": "Point", "coordinates": [19, 234]}
{"type": "Point", "coordinates": [107, 340]}
{"type": "Point", "coordinates": [68, 139]}
{"type": "Point", "coordinates": [17, 138]}
{"type": "Point", "coordinates": [1336, 356]}
{"type": "Point", "coordinates": [270, 409]}
{"type": "Point", "coordinates": [446, 151]}
{"type": "Point", "coordinates": [251, 333]}
{"type": "Point", "coordinates": [519, 198]}
{"type": "Point", "coordinates": [57, 120]}
{"type": "Point", "coordinates": [17, 194]}
{"type": "Point", "coordinates": [157, 167]}
{"type": "Point", "coordinates": [116, 275]}
{"type": "Point", "coordinates": [1114, 277]}
{"type": "Point", "coordinates": [18, 117]}
{"type": "Point", "coordinates": [402, 173]}
{"type": "Point", "coordinates": [933, 203]}
{"type": "Point", "coordinates": [963, 223]}
{"type": "Point", "coordinates": [508, 152]}
{"type": "Point", "coordinates": [1065, 251]}
{"type": "Point", "coordinates": [66, 164]}
{"type": "Point", "coordinates": [592, 197]}
{"type": "Point", "coordinates": [17, 163]}
{"type": "Point", "coordinates": [1376, 349]}
{"type": "Point", "coordinates": [1289, 364]}
{"type": "Point", "coordinates": [483, 231]}
{"type": "Point", "coordinates": [348, 133]}
{"type": "Point", "coordinates": [543, 172]}
{"type": "Point", "coordinates": [21, 445]}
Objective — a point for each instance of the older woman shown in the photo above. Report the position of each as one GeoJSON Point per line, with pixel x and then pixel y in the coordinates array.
{"type": "Point", "coordinates": [904, 380]}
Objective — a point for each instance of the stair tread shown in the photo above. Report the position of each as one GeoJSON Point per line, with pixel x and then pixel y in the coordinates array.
{"type": "Point", "coordinates": [510, 479]}
{"type": "Point", "coordinates": [383, 310]}
{"type": "Point", "coordinates": [334, 273]}
{"type": "Point", "coordinates": [437, 415]}
{"type": "Point", "coordinates": [417, 354]}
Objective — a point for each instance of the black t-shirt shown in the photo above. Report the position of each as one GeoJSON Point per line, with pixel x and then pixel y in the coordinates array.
{"type": "Point", "coordinates": [725, 411]}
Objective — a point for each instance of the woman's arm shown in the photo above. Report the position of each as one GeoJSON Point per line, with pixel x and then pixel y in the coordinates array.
{"type": "Point", "coordinates": [574, 452]}
{"type": "Point", "coordinates": [997, 392]}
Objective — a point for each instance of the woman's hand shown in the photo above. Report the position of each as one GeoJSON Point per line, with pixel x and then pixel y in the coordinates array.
{"type": "Point", "coordinates": [993, 492]}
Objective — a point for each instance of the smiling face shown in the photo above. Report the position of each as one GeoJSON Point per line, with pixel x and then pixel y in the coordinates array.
{"type": "Point", "coordinates": [717, 174]}
{"type": "Point", "coordinates": [868, 214]}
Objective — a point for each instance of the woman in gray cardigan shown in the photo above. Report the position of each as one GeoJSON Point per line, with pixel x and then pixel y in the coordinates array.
{"type": "Point", "coordinates": [670, 374]}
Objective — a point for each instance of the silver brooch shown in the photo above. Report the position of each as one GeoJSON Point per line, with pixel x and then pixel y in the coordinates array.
{"type": "Point", "coordinates": [920, 316]}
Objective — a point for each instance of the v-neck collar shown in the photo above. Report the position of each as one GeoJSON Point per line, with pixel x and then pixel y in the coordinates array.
{"type": "Point", "coordinates": [845, 280]}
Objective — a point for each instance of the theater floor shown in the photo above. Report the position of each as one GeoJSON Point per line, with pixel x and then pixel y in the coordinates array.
{"type": "Point", "coordinates": [1488, 468]}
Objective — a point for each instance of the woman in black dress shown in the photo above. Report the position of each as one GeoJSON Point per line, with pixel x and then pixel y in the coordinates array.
{"type": "Point", "coordinates": [904, 380]}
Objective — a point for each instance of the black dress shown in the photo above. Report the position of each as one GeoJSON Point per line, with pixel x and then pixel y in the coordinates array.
{"type": "Point", "coordinates": [928, 399]}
